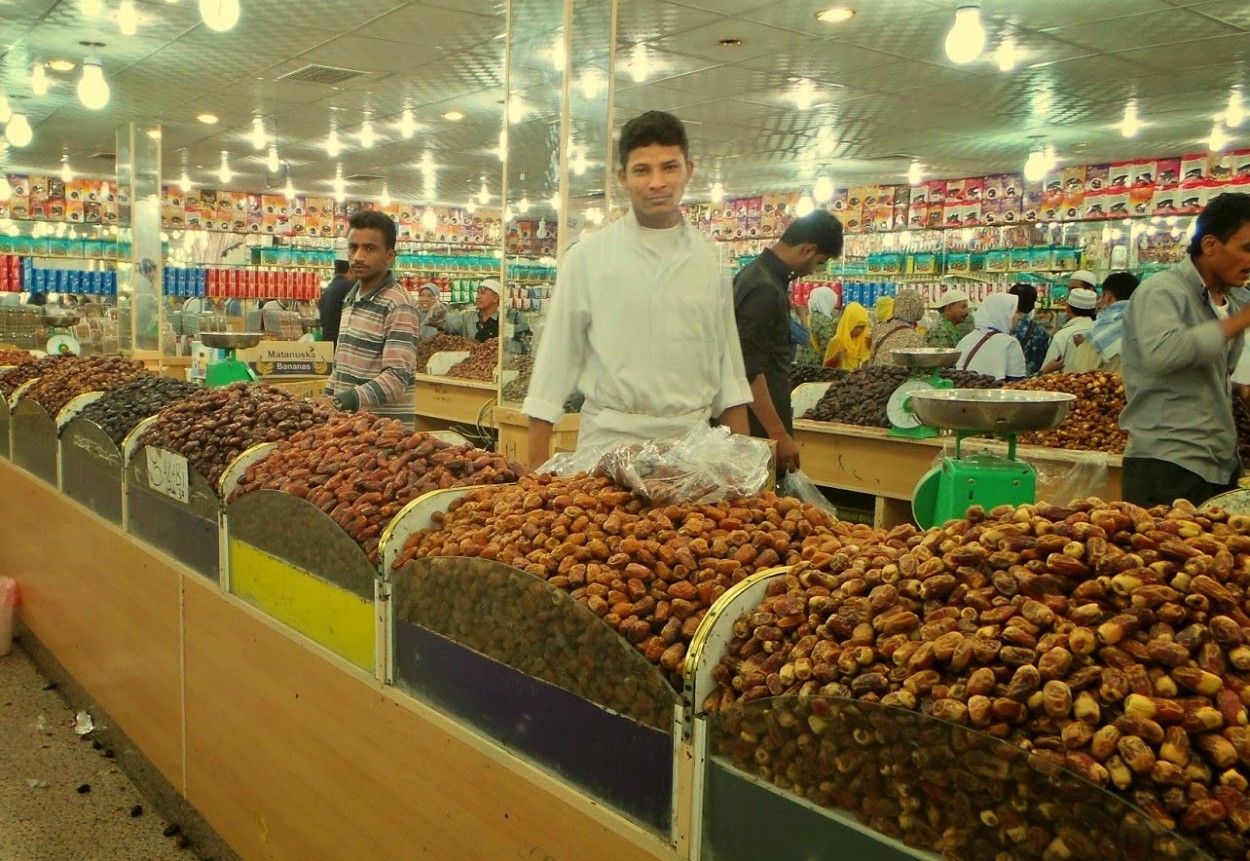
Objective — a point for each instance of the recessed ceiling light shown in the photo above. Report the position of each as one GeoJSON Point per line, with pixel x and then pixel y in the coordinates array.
{"type": "Point", "coordinates": [836, 14]}
{"type": "Point", "coordinates": [729, 43]}
{"type": "Point", "coordinates": [154, 134]}
{"type": "Point", "coordinates": [61, 65]}
{"type": "Point", "coordinates": [453, 116]}
{"type": "Point", "coordinates": [207, 119]}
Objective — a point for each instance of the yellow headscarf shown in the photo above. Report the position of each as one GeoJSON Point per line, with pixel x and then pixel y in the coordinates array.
{"type": "Point", "coordinates": [884, 309]}
{"type": "Point", "coordinates": [850, 352]}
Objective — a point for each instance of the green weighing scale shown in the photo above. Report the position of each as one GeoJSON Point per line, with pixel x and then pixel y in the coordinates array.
{"type": "Point", "coordinates": [947, 491]}
{"type": "Point", "coordinates": [61, 340]}
{"type": "Point", "coordinates": [926, 364]}
{"type": "Point", "coordinates": [230, 369]}
{"type": "Point", "coordinates": [312, 327]}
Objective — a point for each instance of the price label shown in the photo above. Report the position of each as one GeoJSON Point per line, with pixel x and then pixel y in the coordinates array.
{"type": "Point", "coordinates": [167, 474]}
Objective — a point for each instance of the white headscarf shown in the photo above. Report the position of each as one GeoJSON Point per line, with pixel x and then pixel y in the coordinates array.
{"type": "Point", "coordinates": [996, 312]}
{"type": "Point", "coordinates": [824, 300]}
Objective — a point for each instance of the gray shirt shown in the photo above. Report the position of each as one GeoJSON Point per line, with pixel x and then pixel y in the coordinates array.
{"type": "Point", "coordinates": [1176, 370]}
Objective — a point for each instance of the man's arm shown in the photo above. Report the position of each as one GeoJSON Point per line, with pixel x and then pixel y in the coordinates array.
{"type": "Point", "coordinates": [562, 349]}
{"type": "Point", "coordinates": [539, 442]}
{"type": "Point", "coordinates": [1168, 345]}
{"type": "Point", "coordinates": [735, 418]}
{"type": "Point", "coordinates": [766, 412]}
{"type": "Point", "coordinates": [399, 363]}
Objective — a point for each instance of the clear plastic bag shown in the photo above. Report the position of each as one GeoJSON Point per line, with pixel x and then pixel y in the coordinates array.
{"type": "Point", "coordinates": [798, 485]}
{"type": "Point", "coordinates": [707, 465]}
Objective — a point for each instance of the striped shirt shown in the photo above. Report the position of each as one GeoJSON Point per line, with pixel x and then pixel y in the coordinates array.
{"type": "Point", "coordinates": [376, 355]}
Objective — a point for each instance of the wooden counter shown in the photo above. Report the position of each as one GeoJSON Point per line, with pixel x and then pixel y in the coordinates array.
{"type": "Point", "coordinates": [868, 460]}
{"type": "Point", "coordinates": [445, 401]}
{"type": "Point", "coordinates": [285, 749]}
{"type": "Point", "coordinates": [514, 427]}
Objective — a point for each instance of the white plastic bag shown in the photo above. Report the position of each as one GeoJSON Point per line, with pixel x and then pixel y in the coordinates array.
{"type": "Point", "coordinates": [798, 485]}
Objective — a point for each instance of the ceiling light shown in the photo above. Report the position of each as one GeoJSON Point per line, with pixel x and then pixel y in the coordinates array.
{"type": "Point", "coordinates": [219, 15]}
{"type": "Point", "coordinates": [6, 191]}
{"type": "Point", "coordinates": [93, 90]}
{"type": "Point", "coordinates": [594, 215]}
{"type": "Point", "coordinates": [207, 119]}
{"type": "Point", "coordinates": [966, 39]}
{"type": "Point", "coordinates": [5, 111]}
{"type": "Point", "coordinates": [385, 199]}
{"type": "Point", "coordinates": [915, 173]}
{"type": "Point", "coordinates": [1007, 56]}
{"type": "Point", "coordinates": [367, 137]}
{"type": "Point", "coordinates": [184, 182]}
{"type": "Point", "coordinates": [822, 191]}
{"type": "Point", "coordinates": [273, 163]}
{"type": "Point", "coordinates": [429, 218]}
{"type": "Point", "coordinates": [836, 14]}
{"type": "Point", "coordinates": [554, 203]}
{"type": "Point", "coordinates": [67, 173]}
{"type": "Point", "coordinates": [638, 66]}
{"type": "Point", "coordinates": [804, 206]}
{"type": "Point", "coordinates": [127, 18]}
{"type": "Point", "coordinates": [557, 54]}
{"type": "Point", "coordinates": [289, 191]}
{"type": "Point", "coordinates": [1035, 165]}
{"type": "Point", "coordinates": [154, 134]}
{"type": "Point", "coordinates": [61, 65]}
{"type": "Point", "coordinates": [18, 131]}
{"type": "Point", "coordinates": [1131, 125]}
{"type": "Point", "coordinates": [516, 109]}
{"type": "Point", "coordinates": [1236, 113]}
{"type": "Point", "coordinates": [407, 125]}
{"type": "Point", "coordinates": [453, 116]}
{"type": "Point", "coordinates": [803, 94]}
{"type": "Point", "coordinates": [340, 187]}
{"type": "Point", "coordinates": [259, 138]}
{"type": "Point", "coordinates": [1050, 158]}
{"type": "Point", "coordinates": [591, 83]}
{"type": "Point", "coordinates": [729, 43]}
{"type": "Point", "coordinates": [523, 205]}
{"type": "Point", "coordinates": [471, 206]}
{"type": "Point", "coordinates": [483, 194]}
{"type": "Point", "coordinates": [1218, 141]}
{"type": "Point", "coordinates": [225, 173]}
{"type": "Point", "coordinates": [718, 191]}
{"type": "Point", "coordinates": [333, 147]}
{"type": "Point", "coordinates": [39, 80]}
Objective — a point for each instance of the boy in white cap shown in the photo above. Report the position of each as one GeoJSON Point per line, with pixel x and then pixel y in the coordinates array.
{"type": "Point", "coordinates": [1082, 302]}
{"type": "Point", "coordinates": [950, 328]}
{"type": "Point", "coordinates": [1083, 278]}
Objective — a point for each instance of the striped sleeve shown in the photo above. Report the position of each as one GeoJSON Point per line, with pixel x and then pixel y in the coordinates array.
{"type": "Point", "coordinates": [399, 358]}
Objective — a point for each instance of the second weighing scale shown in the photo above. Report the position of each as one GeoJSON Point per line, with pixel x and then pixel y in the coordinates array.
{"type": "Point", "coordinates": [61, 341]}
{"type": "Point", "coordinates": [926, 364]}
{"type": "Point", "coordinates": [947, 491]}
{"type": "Point", "coordinates": [230, 369]}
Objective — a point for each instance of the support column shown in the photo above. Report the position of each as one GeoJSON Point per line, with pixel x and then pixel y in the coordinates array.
{"type": "Point", "coordinates": [141, 322]}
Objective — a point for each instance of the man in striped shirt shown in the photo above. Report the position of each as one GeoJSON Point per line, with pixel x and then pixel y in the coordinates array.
{"type": "Point", "coordinates": [376, 355]}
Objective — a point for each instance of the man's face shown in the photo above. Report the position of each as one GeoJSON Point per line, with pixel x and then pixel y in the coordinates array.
{"type": "Point", "coordinates": [655, 177]}
{"type": "Point", "coordinates": [1229, 261]}
{"type": "Point", "coordinates": [368, 254]}
{"type": "Point", "coordinates": [1074, 284]}
{"type": "Point", "coordinates": [487, 300]}
{"type": "Point", "coordinates": [810, 260]}
{"type": "Point", "coordinates": [956, 312]}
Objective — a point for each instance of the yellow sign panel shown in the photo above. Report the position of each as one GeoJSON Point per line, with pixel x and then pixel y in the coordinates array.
{"type": "Point", "coordinates": [290, 358]}
{"type": "Point", "coordinates": [329, 615]}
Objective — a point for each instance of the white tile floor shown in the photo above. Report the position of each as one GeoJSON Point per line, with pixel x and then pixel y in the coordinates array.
{"type": "Point", "coordinates": [52, 820]}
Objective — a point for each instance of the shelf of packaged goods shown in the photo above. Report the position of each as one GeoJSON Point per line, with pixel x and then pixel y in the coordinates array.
{"type": "Point", "coordinates": [869, 461]}
{"type": "Point", "coordinates": [253, 725]}
{"type": "Point", "coordinates": [514, 434]}
{"type": "Point", "coordinates": [445, 401]}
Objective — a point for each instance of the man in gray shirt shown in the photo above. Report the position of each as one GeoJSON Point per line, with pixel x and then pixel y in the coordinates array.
{"type": "Point", "coordinates": [1183, 334]}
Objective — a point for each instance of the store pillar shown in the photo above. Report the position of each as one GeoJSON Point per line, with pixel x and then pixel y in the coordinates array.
{"type": "Point", "coordinates": [140, 269]}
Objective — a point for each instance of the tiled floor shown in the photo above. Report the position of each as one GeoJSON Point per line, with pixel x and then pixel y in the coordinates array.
{"type": "Point", "coordinates": [51, 820]}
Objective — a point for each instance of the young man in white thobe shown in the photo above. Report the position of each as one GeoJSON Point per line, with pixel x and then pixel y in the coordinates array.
{"type": "Point", "coordinates": [642, 320]}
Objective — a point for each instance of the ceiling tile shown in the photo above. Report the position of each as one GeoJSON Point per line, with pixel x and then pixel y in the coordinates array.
{"type": "Point", "coordinates": [1233, 12]}
{"type": "Point", "coordinates": [1223, 52]}
{"type": "Point", "coordinates": [1148, 30]}
{"type": "Point", "coordinates": [702, 41]}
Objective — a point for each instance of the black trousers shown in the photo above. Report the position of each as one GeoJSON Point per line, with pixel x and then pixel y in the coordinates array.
{"type": "Point", "coordinates": [1148, 482]}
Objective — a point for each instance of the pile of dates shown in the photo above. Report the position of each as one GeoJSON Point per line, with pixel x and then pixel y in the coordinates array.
{"type": "Point", "coordinates": [440, 343]}
{"type": "Point", "coordinates": [1105, 640]}
{"type": "Point", "coordinates": [120, 410]}
{"type": "Point", "coordinates": [650, 572]}
{"type": "Point", "coordinates": [13, 358]}
{"type": "Point", "coordinates": [62, 384]}
{"type": "Point", "coordinates": [214, 426]}
{"type": "Point", "coordinates": [481, 364]}
{"type": "Point", "coordinates": [1093, 423]}
{"type": "Point", "coordinates": [14, 378]}
{"type": "Point", "coordinates": [362, 469]}
{"type": "Point", "coordinates": [800, 374]}
{"type": "Point", "coordinates": [861, 397]}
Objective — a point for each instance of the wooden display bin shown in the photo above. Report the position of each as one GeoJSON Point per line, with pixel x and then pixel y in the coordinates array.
{"type": "Point", "coordinates": [443, 402]}
{"type": "Point", "coordinates": [514, 435]}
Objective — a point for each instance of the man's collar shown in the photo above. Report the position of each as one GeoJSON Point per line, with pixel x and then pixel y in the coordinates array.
{"type": "Point", "coordinates": [356, 292]}
{"type": "Point", "coordinates": [772, 260]}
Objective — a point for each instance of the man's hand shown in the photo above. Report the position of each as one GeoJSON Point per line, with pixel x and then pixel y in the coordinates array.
{"type": "Point", "coordinates": [324, 401]}
{"type": "Point", "coordinates": [787, 453]}
{"type": "Point", "coordinates": [1078, 339]}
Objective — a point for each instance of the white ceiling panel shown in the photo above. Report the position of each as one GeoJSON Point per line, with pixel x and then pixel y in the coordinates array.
{"type": "Point", "coordinates": [759, 39]}
{"type": "Point", "coordinates": [414, 24]}
{"type": "Point", "coordinates": [1219, 52]}
{"type": "Point", "coordinates": [1149, 30]}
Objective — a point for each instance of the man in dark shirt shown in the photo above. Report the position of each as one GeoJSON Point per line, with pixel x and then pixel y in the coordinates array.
{"type": "Point", "coordinates": [487, 310]}
{"type": "Point", "coordinates": [762, 309]}
{"type": "Point", "coordinates": [330, 306]}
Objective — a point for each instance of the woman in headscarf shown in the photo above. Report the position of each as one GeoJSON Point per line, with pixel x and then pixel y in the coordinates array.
{"type": "Point", "coordinates": [850, 346]}
{"type": "Point", "coordinates": [990, 348]}
{"type": "Point", "coordinates": [883, 310]}
{"type": "Point", "coordinates": [430, 311]}
{"type": "Point", "coordinates": [898, 332]}
{"type": "Point", "coordinates": [821, 306]}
